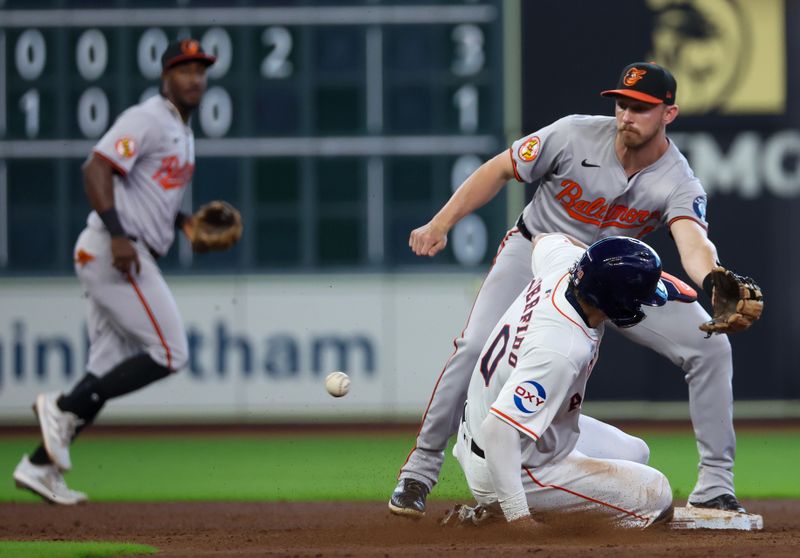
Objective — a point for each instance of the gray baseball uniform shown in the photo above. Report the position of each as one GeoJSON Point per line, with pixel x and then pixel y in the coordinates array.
{"type": "Point", "coordinates": [583, 191]}
{"type": "Point", "coordinates": [152, 152]}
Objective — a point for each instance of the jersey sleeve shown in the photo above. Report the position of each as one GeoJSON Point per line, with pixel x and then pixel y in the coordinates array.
{"type": "Point", "coordinates": [552, 252]}
{"type": "Point", "coordinates": [535, 154]}
{"type": "Point", "coordinates": [687, 201]}
{"type": "Point", "coordinates": [127, 139]}
{"type": "Point", "coordinates": [533, 394]}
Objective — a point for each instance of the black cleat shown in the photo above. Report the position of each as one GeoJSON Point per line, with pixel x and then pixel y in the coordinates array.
{"type": "Point", "coordinates": [408, 498]}
{"type": "Point", "coordinates": [725, 502]}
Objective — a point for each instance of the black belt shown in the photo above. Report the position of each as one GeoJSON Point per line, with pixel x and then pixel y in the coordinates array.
{"type": "Point", "coordinates": [153, 253]}
{"type": "Point", "coordinates": [523, 229]}
{"type": "Point", "coordinates": [476, 449]}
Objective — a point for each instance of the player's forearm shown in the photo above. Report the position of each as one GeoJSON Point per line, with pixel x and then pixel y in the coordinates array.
{"type": "Point", "coordinates": [698, 253]}
{"type": "Point", "coordinates": [98, 184]}
{"type": "Point", "coordinates": [699, 262]}
{"type": "Point", "coordinates": [476, 191]}
{"type": "Point", "coordinates": [504, 460]}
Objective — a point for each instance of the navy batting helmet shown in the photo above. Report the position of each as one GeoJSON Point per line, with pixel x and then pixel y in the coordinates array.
{"type": "Point", "coordinates": [618, 275]}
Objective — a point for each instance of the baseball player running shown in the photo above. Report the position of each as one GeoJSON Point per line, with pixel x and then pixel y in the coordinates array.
{"type": "Point", "coordinates": [135, 179]}
{"type": "Point", "coordinates": [519, 431]}
{"type": "Point", "coordinates": [600, 176]}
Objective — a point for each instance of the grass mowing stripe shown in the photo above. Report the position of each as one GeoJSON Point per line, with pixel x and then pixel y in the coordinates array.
{"type": "Point", "coordinates": [37, 549]}
{"type": "Point", "coordinates": [347, 467]}
{"type": "Point", "coordinates": [764, 467]}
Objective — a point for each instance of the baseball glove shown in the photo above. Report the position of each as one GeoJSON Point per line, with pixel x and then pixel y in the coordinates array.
{"type": "Point", "coordinates": [737, 302]}
{"type": "Point", "coordinates": [216, 225]}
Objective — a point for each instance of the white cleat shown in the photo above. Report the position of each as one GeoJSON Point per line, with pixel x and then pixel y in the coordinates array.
{"type": "Point", "coordinates": [46, 481]}
{"type": "Point", "coordinates": [58, 429]}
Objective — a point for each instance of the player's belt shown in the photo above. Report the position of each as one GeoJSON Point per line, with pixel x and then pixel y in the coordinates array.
{"type": "Point", "coordinates": [523, 229]}
{"type": "Point", "coordinates": [476, 449]}
{"type": "Point", "coordinates": [153, 253]}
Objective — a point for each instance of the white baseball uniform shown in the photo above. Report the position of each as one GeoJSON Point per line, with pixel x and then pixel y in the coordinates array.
{"type": "Point", "coordinates": [532, 376]}
{"type": "Point", "coordinates": [152, 152]}
{"type": "Point", "coordinates": [583, 191]}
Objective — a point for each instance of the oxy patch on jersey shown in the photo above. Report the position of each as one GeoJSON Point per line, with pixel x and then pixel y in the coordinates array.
{"type": "Point", "coordinates": [529, 396]}
{"type": "Point", "coordinates": [529, 150]}
{"type": "Point", "coordinates": [125, 147]}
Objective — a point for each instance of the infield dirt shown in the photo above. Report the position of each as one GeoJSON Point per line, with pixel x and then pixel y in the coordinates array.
{"type": "Point", "coordinates": [351, 529]}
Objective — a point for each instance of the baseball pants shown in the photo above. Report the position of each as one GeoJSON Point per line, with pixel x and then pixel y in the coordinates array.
{"type": "Point", "coordinates": [128, 315]}
{"type": "Point", "coordinates": [630, 494]}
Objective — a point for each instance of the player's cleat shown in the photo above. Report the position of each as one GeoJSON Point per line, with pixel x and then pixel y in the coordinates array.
{"type": "Point", "coordinates": [408, 498]}
{"type": "Point", "coordinates": [58, 429]}
{"type": "Point", "coordinates": [46, 481]}
{"type": "Point", "coordinates": [724, 502]}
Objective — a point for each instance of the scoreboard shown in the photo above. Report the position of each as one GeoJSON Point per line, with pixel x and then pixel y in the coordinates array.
{"type": "Point", "coordinates": [335, 128]}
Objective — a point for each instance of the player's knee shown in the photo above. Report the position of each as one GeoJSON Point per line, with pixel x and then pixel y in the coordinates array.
{"type": "Point", "coordinates": [662, 498]}
{"type": "Point", "coordinates": [714, 355]}
{"type": "Point", "coordinates": [631, 448]}
{"type": "Point", "coordinates": [173, 355]}
{"type": "Point", "coordinates": [717, 346]}
{"type": "Point", "coordinates": [180, 355]}
{"type": "Point", "coordinates": [639, 451]}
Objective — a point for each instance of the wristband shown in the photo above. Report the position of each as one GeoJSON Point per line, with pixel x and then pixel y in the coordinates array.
{"type": "Point", "coordinates": [515, 507]}
{"type": "Point", "coordinates": [111, 221]}
{"type": "Point", "coordinates": [180, 219]}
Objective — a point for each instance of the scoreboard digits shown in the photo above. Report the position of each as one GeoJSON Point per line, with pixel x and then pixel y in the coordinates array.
{"type": "Point", "coordinates": [408, 96]}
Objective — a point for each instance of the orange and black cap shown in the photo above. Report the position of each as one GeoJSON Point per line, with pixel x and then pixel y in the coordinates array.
{"type": "Point", "coordinates": [647, 82]}
{"type": "Point", "coordinates": [185, 50]}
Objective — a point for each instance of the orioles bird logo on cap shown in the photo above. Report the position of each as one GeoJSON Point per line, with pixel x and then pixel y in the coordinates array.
{"type": "Point", "coordinates": [189, 46]}
{"type": "Point", "coordinates": [633, 76]}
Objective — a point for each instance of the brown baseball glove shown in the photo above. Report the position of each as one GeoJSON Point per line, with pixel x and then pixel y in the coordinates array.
{"type": "Point", "coordinates": [737, 302]}
{"type": "Point", "coordinates": [215, 226]}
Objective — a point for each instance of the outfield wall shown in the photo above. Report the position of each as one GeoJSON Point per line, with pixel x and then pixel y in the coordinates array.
{"type": "Point", "coordinates": [260, 347]}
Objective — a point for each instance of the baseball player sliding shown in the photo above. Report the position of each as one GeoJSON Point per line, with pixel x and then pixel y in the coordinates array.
{"type": "Point", "coordinates": [518, 435]}
{"type": "Point", "coordinates": [135, 180]}
{"type": "Point", "coordinates": [600, 176]}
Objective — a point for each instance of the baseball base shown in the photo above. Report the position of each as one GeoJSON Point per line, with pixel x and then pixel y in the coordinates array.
{"type": "Point", "coordinates": [700, 518]}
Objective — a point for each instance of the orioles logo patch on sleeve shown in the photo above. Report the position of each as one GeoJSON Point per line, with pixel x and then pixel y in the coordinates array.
{"type": "Point", "coordinates": [125, 147]}
{"type": "Point", "coordinates": [529, 150]}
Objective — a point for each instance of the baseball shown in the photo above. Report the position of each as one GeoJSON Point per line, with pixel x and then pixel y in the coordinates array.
{"type": "Point", "coordinates": [337, 383]}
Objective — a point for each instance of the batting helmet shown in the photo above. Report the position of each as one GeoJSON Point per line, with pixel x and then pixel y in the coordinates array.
{"type": "Point", "coordinates": [618, 275]}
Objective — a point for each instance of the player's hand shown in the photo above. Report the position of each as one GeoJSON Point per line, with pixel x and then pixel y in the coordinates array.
{"type": "Point", "coordinates": [428, 240]}
{"type": "Point", "coordinates": [188, 227]}
{"type": "Point", "coordinates": [123, 255]}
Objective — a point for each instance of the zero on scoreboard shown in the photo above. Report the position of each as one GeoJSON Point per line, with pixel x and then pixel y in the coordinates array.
{"type": "Point", "coordinates": [336, 128]}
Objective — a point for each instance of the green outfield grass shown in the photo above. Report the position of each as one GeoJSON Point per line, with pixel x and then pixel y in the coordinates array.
{"type": "Point", "coordinates": [342, 467]}
{"type": "Point", "coordinates": [71, 549]}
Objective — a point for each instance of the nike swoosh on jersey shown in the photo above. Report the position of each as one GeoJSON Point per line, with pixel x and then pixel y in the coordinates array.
{"type": "Point", "coordinates": [585, 163]}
